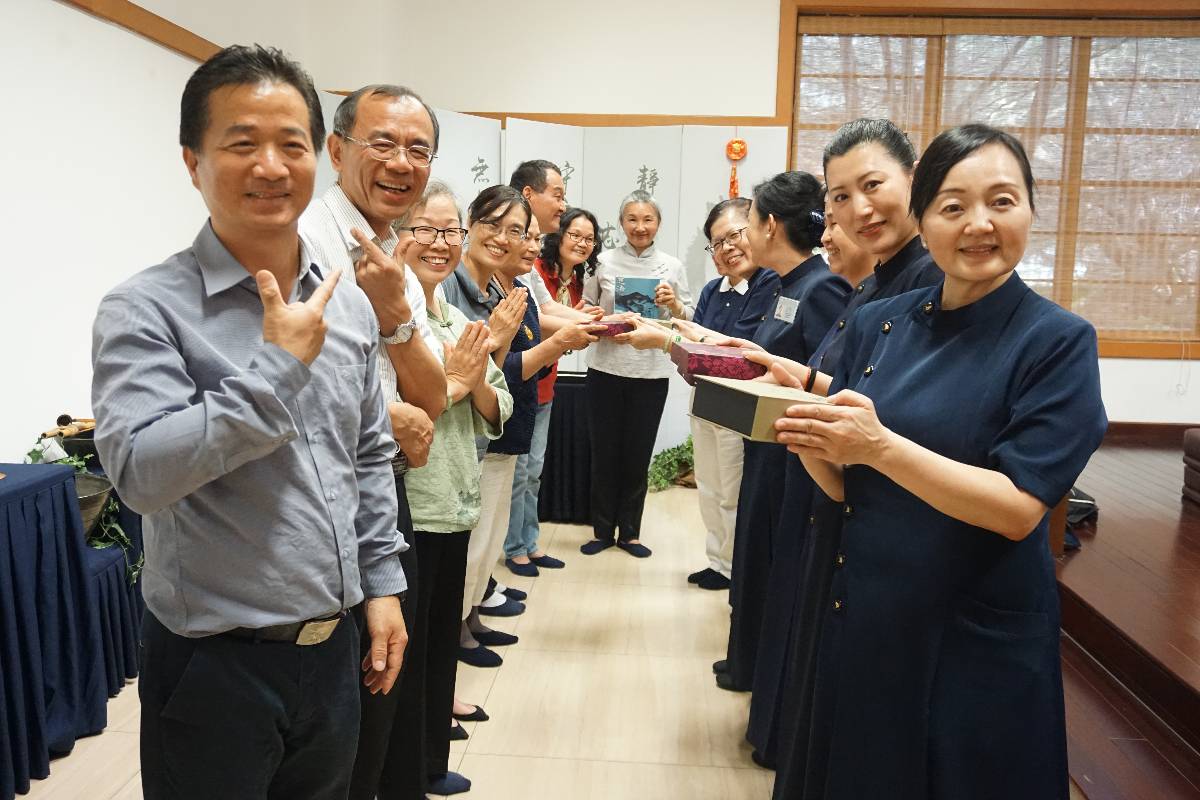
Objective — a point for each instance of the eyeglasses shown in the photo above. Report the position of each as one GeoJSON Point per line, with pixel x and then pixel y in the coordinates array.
{"type": "Point", "coordinates": [426, 234]}
{"type": "Point", "coordinates": [384, 150]}
{"type": "Point", "coordinates": [732, 238]}
{"type": "Point", "coordinates": [590, 241]}
{"type": "Point", "coordinates": [512, 233]}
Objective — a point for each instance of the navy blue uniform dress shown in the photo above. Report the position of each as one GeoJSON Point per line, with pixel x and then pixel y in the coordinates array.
{"type": "Point", "coordinates": [810, 299]}
{"type": "Point", "coordinates": [733, 313]}
{"type": "Point", "coordinates": [938, 673]}
{"type": "Point", "coordinates": [803, 567]}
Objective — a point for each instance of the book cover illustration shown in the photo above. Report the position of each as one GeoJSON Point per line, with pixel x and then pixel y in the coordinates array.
{"type": "Point", "coordinates": [636, 294]}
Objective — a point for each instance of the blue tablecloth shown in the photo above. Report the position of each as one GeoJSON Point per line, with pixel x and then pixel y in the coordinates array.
{"type": "Point", "coordinates": [69, 622]}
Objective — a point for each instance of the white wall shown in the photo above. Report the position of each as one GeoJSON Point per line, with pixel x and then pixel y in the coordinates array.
{"type": "Point", "coordinates": [97, 190]}
{"type": "Point", "coordinates": [1147, 390]}
{"type": "Point", "coordinates": [702, 57]}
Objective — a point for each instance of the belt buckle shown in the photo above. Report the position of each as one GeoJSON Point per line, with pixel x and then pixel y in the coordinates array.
{"type": "Point", "coordinates": [316, 632]}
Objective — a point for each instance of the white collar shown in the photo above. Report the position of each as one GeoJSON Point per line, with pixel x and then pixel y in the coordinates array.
{"type": "Point", "coordinates": [725, 286]}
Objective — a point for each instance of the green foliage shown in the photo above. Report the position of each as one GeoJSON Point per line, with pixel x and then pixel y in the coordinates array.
{"type": "Point", "coordinates": [669, 464]}
{"type": "Point", "coordinates": [107, 531]}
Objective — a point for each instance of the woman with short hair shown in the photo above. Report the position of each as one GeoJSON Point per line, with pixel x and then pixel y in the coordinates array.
{"type": "Point", "coordinates": [627, 388]}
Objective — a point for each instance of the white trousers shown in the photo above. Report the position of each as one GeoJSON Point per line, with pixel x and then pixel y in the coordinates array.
{"type": "Point", "coordinates": [487, 539]}
{"type": "Point", "coordinates": [718, 455]}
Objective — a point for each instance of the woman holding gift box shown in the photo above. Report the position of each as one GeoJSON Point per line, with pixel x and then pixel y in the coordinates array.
{"type": "Point", "coordinates": [627, 388]}
{"type": "Point", "coordinates": [962, 413]}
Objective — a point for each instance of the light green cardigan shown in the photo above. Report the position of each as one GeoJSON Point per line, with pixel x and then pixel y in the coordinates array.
{"type": "Point", "coordinates": [443, 495]}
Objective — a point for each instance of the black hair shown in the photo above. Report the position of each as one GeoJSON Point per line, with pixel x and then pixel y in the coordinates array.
{"type": "Point", "coordinates": [496, 201]}
{"type": "Point", "coordinates": [532, 174]}
{"type": "Point", "coordinates": [797, 200]}
{"type": "Point", "coordinates": [741, 204]}
{"type": "Point", "coordinates": [238, 65]}
{"type": "Point", "coordinates": [864, 131]}
{"type": "Point", "coordinates": [552, 241]}
{"type": "Point", "coordinates": [952, 146]}
{"type": "Point", "coordinates": [347, 110]}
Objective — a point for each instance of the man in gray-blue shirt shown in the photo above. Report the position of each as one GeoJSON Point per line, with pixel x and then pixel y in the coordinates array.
{"type": "Point", "coordinates": [239, 410]}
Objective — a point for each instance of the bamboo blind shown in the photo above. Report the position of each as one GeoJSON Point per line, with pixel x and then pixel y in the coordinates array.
{"type": "Point", "coordinates": [1108, 110]}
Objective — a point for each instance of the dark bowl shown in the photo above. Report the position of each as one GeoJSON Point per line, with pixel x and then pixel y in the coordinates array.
{"type": "Point", "coordinates": [93, 492]}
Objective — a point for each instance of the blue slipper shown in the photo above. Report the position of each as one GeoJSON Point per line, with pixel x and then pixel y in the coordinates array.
{"type": "Point", "coordinates": [478, 657]}
{"type": "Point", "coordinates": [509, 608]}
{"type": "Point", "coordinates": [524, 570]}
{"type": "Point", "coordinates": [515, 594]}
{"type": "Point", "coordinates": [448, 783]}
{"type": "Point", "coordinates": [637, 550]}
{"type": "Point", "coordinates": [595, 546]}
{"type": "Point", "coordinates": [495, 638]}
{"type": "Point", "coordinates": [547, 562]}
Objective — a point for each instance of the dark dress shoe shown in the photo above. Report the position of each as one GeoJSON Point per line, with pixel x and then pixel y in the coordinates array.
{"type": "Point", "coordinates": [637, 550]}
{"type": "Point", "coordinates": [448, 783]}
{"type": "Point", "coordinates": [478, 715]}
{"type": "Point", "coordinates": [509, 608]}
{"type": "Point", "coordinates": [548, 562]}
{"type": "Point", "coordinates": [696, 576]}
{"type": "Point", "coordinates": [721, 666]}
{"type": "Point", "coordinates": [495, 638]}
{"type": "Point", "coordinates": [529, 570]}
{"type": "Point", "coordinates": [725, 681]}
{"type": "Point", "coordinates": [595, 546]}
{"type": "Point", "coordinates": [458, 733]}
{"type": "Point", "coordinates": [714, 582]}
{"type": "Point", "coordinates": [515, 594]}
{"type": "Point", "coordinates": [478, 657]}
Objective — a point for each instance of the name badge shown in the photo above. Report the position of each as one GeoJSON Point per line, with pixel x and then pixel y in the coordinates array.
{"type": "Point", "coordinates": [785, 309]}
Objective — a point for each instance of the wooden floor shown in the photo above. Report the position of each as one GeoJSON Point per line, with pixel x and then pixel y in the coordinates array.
{"type": "Point", "coordinates": [1131, 599]}
{"type": "Point", "coordinates": [608, 696]}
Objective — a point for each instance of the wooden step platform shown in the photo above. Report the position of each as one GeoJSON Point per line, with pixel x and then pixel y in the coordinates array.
{"type": "Point", "coordinates": [1131, 612]}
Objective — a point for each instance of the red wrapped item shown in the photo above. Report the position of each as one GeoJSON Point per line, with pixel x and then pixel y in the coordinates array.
{"type": "Point", "coordinates": [694, 358]}
{"type": "Point", "coordinates": [612, 327]}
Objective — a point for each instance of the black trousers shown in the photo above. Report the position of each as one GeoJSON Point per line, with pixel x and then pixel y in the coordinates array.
{"type": "Point", "coordinates": [379, 710]}
{"type": "Point", "coordinates": [233, 718]}
{"type": "Point", "coordinates": [624, 414]}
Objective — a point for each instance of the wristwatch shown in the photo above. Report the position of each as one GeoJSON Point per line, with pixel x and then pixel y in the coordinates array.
{"type": "Point", "coordinates": [402, 334]}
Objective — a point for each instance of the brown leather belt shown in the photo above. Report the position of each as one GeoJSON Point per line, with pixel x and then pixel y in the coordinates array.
{"type": "Point", "coordinates": [314, 631]}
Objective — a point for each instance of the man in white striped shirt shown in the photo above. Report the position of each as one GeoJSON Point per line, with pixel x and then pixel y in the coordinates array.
{"type": "Point", "coordinates": [382, 147]}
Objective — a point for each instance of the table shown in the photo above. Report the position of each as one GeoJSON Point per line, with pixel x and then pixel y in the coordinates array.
{"type": "Point", "coordinates": [566, 493]}
{"type": "Point", "coordinates": [52, 676]}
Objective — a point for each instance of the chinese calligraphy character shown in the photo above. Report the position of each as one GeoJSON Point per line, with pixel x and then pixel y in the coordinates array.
{"type": "Point", "coordinates": [567, 171]}
{"type": "Point", "coordinates": [608, 236]}
{"type": "Point", "coordinates": [480, 170]}
{"type": "Point", "coordinates": [647, 179]}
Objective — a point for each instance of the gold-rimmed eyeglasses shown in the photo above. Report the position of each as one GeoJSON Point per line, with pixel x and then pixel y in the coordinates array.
{"type": "Point", "coordinates": [385, 150]}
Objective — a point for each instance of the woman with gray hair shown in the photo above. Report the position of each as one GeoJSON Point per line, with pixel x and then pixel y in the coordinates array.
{"type": "Point", "coordinates": [627, 388]}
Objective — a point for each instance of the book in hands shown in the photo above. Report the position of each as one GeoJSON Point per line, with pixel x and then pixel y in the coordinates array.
{"type": "Point", "coordinates": [637, 295]}
{"type": "Point", "coordinates": [693, 359]}
{"type": "Point", "coordinates": [748, 408]}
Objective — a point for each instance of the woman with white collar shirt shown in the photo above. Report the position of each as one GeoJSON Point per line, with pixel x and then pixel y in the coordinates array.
{"type": "Point", "coordinates": [627, 388]}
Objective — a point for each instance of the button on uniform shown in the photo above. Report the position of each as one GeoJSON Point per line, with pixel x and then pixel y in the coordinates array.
{"type": "Point", "coordinates": [869, 371]}
{"type": "Point", "coordinates": [841, 324]}
{"type": "Point", "coordinates": [839, 606]}
{"type": "Point", "coordinates": [847, 510]}
{"type": "Point", "coordinates": [927, 308]}
{"type": "Point", "coordinates": [840, 560]}
{"type": "Point", "coordinates": [887, 326]}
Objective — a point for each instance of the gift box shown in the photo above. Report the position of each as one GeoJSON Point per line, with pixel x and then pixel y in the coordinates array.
{"type": "Point", "coordinates": [693, 359]}
{"type": "Point", "coordinates": [612, 327]}
{"type": "Point", "coordinates": [749, 408]}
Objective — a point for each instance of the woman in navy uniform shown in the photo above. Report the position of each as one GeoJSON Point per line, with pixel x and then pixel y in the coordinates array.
{"type": "Point", "coordinates": [962, 413]}
{"type": "Point", "coordinates": [786, 222]}
{"type": "Point", "coordinates": [868, 168]}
